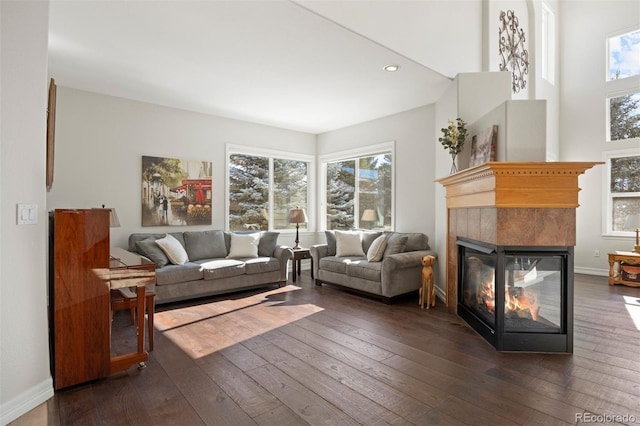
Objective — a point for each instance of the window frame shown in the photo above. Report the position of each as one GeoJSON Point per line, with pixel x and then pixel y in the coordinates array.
{"type": "Point", "coordinates": [354, 154]}
{"type": "Point", "coordinates": [607, 217]}
{"type": "Point", "coordinates": [272, 154]}
{"type": "Point", "coordinates": [609, 36]}
{"type": "Point", "coordinates": [611, 95]}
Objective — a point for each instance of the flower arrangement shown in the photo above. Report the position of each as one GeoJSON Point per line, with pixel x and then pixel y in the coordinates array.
{"type": "Point", "coordinates": [453, 138]}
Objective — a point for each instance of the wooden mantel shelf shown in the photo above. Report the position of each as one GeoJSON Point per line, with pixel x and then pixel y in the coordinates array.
{"type": "Point", "coordinates": [516, 184]}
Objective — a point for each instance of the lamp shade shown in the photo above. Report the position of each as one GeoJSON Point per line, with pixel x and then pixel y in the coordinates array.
{"type": "Point", "coordinates": [631, 222]}
{"type": "Point", "coordinates": [369, 215]}
{"type": "Point", "coordinates": [297, 215]}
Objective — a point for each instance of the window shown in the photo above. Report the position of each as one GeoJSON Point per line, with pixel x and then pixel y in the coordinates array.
{"type": "Point", "coordinates": [623, 76]}
{"type": "Point", "coordinates": [623, 189]}
{"type": "Point", "coordinates": [263, 186]}
{"type": "Point", "coordinates": [623, 55]}
{"type": "Point", "coordinates": [548, 44]}
{"type": "Point", "coordinates": [624, 116]}
{"type": "Point", "coordinates": [358, 189]}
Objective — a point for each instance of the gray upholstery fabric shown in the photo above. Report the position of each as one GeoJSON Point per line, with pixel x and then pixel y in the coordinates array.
{"type": "Point", "coordinates": [205, 245]}
{"type": "Point", "coordinates": [261, 265]}
{"type": "Point", "coordinates": [396, 243]}
{"type": "Point", "coordinates": [395, 275]}
{"type": "Point", "coordinates": [365, 270]}
{"type": "Point", "coordinates": [368, 237]}
{"type": "Point", "coordinates": [172, 274]}
{"type": "Point", "coordinates": [331, 242]}
{"type": "Point", "coordinates": [268, 242]}
{"type": "Point", "coordinates": [222, 268]}
{"type": "Point", "coordinates": [151, 250]}
{"type": "Point", "coordinates": [215, 275]}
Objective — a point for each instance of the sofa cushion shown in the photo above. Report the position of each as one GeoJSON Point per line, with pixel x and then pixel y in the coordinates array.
{"type": "Point", "coordinates": [221, 268]}
{"type": "Point", "coordinates": [173, 249]}
{"type": "Point", "coordinates": [365, 270]}
{"type": "Point", "coordinates": [205, 245]}
{"type": "Point", "coordinates": [268, 243]}
{"type": "Point", "coordinates": [416, 241]}
{"type": "Point", "coordinates": [172, 274]}
{"type": "Point", "coordinates": [349, 243]}
{"type": "Point", "coordinates": [261, 265]}
{"type": "Point", "coordinates": [368, 237]}
{"type": "Point", "coordinates": [139, 236]}
{"type": "Point", "coordinates": [149, 248]}
{"type": "Point", "coordinates": [337, 264]}
{"type": "Point", "coordinates": [396, 243]}
{"type": "Point", "coordinates": [377, 248]}
{"type": "Point", "coordinates": [331, 242]}
{"type": "Point", "coordinates": [244, 245]}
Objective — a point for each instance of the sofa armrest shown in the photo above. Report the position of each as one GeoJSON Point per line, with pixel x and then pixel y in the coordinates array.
{"type": "Point", "coordinates": [317, 252]}
{"type": "Point", "coordinates": [407, 259]}
{"type": "Point", "coordinates": [284, 254]}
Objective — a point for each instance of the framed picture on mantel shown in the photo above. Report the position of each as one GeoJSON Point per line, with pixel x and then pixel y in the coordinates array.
{"type": "Point", "coordinates": [483, 146]}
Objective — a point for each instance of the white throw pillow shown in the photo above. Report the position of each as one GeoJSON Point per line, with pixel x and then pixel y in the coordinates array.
{"type": "Point", "coordinates": [173, 249]}
{"type": "Point", "coordinates": [376, 250]}
{"type": "Point", "coordinates": [244, 245]}
{"type": "Point", "coordinates": [349, 243]}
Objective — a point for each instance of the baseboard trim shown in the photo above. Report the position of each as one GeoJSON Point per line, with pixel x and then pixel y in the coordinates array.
{"type": "Point", "coordinates": [26, 401]}
{"type": "Point", "coordinates": [591, 271]}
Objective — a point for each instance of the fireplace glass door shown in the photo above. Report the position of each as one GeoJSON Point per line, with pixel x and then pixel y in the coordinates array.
{"type": "Point", "coordinates": [518, 298]}
{"type": "Point", "coordinates": [533, 294]}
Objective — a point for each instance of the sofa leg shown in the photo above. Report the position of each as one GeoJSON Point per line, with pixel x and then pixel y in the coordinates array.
{"type": "Point", "coordinates": [317, 282]}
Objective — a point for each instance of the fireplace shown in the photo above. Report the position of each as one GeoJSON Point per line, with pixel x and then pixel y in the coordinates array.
{"type": "Point", "coordinates": [519, 298]}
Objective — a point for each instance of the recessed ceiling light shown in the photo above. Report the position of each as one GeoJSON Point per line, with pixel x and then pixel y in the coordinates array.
{"type": "Point", "coordinates": [391, 68]}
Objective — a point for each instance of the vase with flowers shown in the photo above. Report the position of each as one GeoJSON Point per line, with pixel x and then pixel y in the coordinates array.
{"type": "Point", "coordinates": [453, 138]}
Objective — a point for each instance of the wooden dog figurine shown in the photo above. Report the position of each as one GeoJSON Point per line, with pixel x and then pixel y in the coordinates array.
{"type": "Point", "coordinates": [428, 291]}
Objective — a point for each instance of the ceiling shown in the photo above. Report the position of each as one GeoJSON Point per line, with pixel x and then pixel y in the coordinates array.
{"type": "Point", "coordinates": [279, 63]}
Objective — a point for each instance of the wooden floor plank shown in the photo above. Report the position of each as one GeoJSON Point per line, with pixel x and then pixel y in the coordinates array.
{"type": "Point", "coordinates": [306, 354]}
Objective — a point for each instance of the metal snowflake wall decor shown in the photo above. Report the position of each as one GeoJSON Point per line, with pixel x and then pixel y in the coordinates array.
{"type": "Point", "coordinates": [513, 56]}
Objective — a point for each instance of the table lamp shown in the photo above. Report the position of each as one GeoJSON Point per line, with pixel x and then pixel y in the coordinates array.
{"type": "Point", "coordinates": [297, 215]}
{"type": "Point", "coordinates": [632, 222]}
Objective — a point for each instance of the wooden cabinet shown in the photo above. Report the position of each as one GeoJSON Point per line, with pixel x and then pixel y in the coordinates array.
{"type": "Point", "coordinates": [79, 296]}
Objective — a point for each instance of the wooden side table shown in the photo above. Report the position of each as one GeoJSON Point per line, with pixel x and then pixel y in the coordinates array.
{"type": "Point", "coordinates": [616, 260]}
{"type": "Point", "coordinates": [298, 256]}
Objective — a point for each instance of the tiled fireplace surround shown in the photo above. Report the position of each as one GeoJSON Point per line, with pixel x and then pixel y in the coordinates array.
{"type": "Point", "coordinates": [511, 204]}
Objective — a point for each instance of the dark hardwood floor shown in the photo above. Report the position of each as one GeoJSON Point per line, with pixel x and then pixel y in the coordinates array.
{"type": "Point", "coordinates": [319, 355]}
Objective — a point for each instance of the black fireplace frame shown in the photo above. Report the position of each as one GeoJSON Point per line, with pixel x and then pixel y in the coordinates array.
{"type": "Point", "coordinates": [560, 342]}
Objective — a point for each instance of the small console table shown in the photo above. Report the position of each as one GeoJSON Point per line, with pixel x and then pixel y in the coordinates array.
{"type": "Point", "coordinates": [616, 260]}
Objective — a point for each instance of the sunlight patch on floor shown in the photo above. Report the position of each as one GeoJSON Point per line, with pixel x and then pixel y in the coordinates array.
{"type": "Point", "coordinates": [200, 330]}
{"type": "Point", "coordinates": [633, 307]}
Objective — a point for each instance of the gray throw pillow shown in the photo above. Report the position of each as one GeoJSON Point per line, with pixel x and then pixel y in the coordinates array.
{"type": "Point", "coordinates": [205, 245]}
{"type": "Point", "coordinates": [395, 244]}
{"type": "Point", "coordinates": [331, 242]}
{"type": "Point", "coordinates": [268, 242]}
{"type": "Point", "coordinates": [151, 250]}
{"type": "Point", "coordinates": [368, 237]}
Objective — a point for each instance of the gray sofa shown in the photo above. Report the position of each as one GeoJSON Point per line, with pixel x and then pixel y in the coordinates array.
{"type": "Point", "coordinates": [208, 271]}
{"type": "Point", "coordinates": [398, 272]}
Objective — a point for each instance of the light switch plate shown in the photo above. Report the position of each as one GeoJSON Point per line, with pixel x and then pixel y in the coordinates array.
{"type": "Point", "coordinates": [27, 214]}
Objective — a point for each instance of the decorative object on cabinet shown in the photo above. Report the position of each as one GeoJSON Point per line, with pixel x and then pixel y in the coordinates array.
{"type": "Point", "coordinates": [297, 215]}
{"type": "Point", "coordinates": [453, 139]}
{"type": "Point", "coordinates": [632, 223]}
{"type": "Point", "coordinates": [483, 146]}
{"type": "Point", "coordinates": [513, 55]}
{"type": "Point", "coordinates": [176, 192]}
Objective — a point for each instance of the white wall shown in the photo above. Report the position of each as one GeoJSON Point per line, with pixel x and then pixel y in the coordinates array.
{"type": "Point", "coordinates": [583, 115]}
{"type": "Point", "coordinates": [414, 163]}
{"type": "Point", "coordinates": [25, 380]}
{"type": "Point", "coordinates": [100, 141]}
